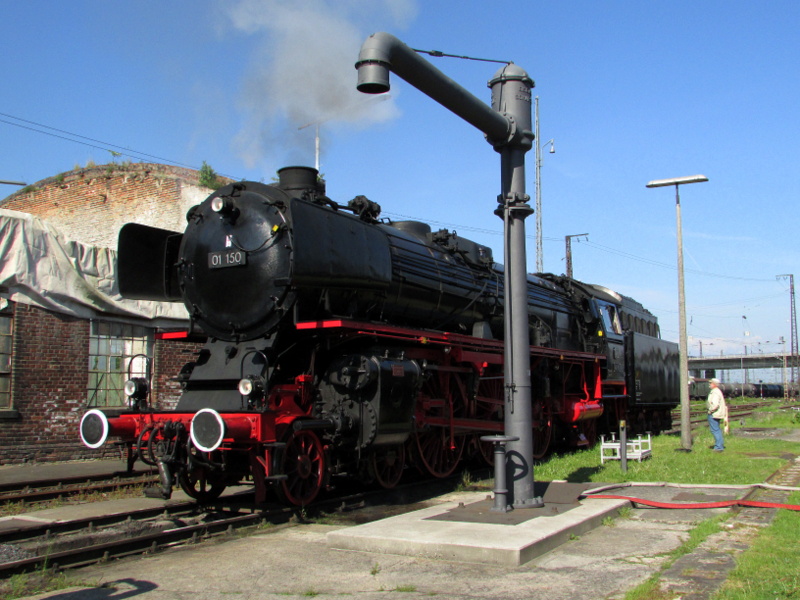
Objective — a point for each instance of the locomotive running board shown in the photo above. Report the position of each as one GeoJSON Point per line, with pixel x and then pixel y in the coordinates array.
{"type": "Point", "coordinates": [430, 336]}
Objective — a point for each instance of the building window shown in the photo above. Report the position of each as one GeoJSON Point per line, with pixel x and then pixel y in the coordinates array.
{"type": "Point", "coordinates": [6, 344]}
{"type": "Point", "coordinates": [116, 352]}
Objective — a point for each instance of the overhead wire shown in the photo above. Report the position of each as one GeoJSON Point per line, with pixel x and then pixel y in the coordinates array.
{"type": "Point", "coordinates": [91, 142]}
{"type": "Point", "coordinates": [105, 145]}
{"type": "Point", "coordinates": [594, 245]}
{"type": "Point", "coordinates": [631, 256]}
{"type": "Point", "coordinates": [669, 266]}
{"type": "Point", "coordinates": [124, 151]}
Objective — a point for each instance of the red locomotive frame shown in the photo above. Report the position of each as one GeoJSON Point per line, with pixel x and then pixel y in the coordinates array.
{"type": "Point", "coordinates": [461, 400]}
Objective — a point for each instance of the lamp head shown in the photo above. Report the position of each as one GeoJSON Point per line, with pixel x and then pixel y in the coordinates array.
{"type": "Point", "coordinates": [677, 181]}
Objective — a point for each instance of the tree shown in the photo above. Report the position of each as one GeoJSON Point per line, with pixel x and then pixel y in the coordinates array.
{"type": "Point", "coordinates": [208, 177]}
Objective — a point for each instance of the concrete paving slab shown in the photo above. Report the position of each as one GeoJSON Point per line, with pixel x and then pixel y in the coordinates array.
{"type": "Point", "coordinates": [286, 562]}
{"type": "Point", "coordinates": [296, 562]}
{"type": "Point", "coordinates": [434, 533]}
{"type": "Point", "coordinates": [72, 512]}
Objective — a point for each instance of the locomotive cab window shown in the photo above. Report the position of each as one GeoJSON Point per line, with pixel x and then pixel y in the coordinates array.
{"type": "Point", "coordinates": [6, 340]}
{"type": "Point", "coordinates": [112, 347]}
{"type": "Point", "coordinates": [610, 319]}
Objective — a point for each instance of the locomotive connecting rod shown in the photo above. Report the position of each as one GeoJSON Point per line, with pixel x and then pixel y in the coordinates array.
{"type": "Point", "coordinates": [507, 126]}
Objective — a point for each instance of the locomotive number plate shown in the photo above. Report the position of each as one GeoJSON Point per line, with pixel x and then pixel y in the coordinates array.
{"type": "Point", "coordinates": [227, 258]}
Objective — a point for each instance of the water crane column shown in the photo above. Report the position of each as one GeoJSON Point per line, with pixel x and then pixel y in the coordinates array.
{"type": "Point", "coordinates": [507, 126]}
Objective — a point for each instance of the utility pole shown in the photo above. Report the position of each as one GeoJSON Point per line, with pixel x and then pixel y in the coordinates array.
{"type": "Point", "coordinates": [793, 327]}
{"type": "Point", "coordinates": [568, 239]}
{"type": "Point", "coordinates": [538, 206]}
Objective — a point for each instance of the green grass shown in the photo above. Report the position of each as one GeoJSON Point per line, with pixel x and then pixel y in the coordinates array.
{"type": "Point", "coordinates": [769, 568]}
{"type": "Point", "coordinates": [39, 582]}
{"type": "Point", "coordinates": [701, 465]}
{"type": "Point", "coordinates": [773, 417]}
{"type": "Point", "coordinates": [650, 589]}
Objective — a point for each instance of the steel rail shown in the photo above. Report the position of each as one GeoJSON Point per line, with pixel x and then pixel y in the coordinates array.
{"type": "Point", "coordinates": [154, 541]}
{"type": "Point", "coordinates": [149, 542]}
{"type": "Point", "coordinates": [38, 491]}
{"type": "Point", "coordinates": [30, 531]}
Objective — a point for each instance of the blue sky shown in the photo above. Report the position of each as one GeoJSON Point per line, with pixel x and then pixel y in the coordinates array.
{"type": "Point", "coordinates": [630, 91]}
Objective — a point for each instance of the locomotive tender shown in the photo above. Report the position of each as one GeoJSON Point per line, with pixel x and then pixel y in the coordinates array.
{"type": "Point", "coordinates": [338, 343]}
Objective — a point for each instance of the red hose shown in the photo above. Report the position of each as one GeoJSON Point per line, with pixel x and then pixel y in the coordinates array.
{"type": "Point", "coordinates": [722, 504]}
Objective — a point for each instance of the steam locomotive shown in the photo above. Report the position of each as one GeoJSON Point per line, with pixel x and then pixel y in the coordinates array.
{"type": "Point", "coordinates": [338, 343]}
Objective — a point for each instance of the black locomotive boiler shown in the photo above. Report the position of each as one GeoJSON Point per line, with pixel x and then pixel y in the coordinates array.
{"type": "Point", "coordinates": [341, 344]}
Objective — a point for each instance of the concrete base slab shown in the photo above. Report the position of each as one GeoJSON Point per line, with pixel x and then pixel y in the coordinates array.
{"type": "Point", "coordinates": [451, 531]}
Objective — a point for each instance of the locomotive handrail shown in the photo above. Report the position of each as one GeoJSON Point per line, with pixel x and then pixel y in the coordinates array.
{"type": "Point", "coordinates": [424, 336]}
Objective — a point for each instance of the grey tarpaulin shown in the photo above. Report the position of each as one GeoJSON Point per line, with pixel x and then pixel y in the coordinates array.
{"type": "Point", "coordinates": [39, 267]}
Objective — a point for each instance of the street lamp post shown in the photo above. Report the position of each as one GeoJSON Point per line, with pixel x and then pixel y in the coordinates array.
{"type": "Point", "coordinates": [686, 425]}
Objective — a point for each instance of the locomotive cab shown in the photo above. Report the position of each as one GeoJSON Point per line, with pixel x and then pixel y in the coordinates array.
{"type": "Point", "coordinates": [610, 330]}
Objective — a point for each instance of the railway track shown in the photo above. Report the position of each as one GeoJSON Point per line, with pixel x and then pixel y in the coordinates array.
{"type": "Point", "coordinates": [735, 411]}
{"type": "Point", "coordinates": [80, 542]}
{"type": "Point", "coordinates": [76, 544]}
{"type": "Point", "coordinates": [42, 491]}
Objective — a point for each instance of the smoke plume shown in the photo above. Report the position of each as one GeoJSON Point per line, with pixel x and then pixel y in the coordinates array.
{"type": "Point", "coordinates": [303, 73]}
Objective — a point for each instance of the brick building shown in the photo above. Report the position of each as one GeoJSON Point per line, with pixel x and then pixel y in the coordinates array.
{"type": "Point", "coordinates": [91, 205]}
{"type": "Point", "coordinates": [68, 341]}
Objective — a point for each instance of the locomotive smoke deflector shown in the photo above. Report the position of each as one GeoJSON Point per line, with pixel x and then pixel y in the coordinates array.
{"type": "Point", "coordinates": [146, 260]}
{"type": "Point", "coordinates": [507, 126]}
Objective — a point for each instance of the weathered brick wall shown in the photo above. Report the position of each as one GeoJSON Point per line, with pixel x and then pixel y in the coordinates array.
{"type": "Point", "coordinates": [91, 205]}
{"type": "Point", "coordinates": [169, 358]}
{"type": "Point", "coordinates": [50, 363]}
{"type": "Point", "coordinates": [49, 377]}
{"type": "Point", "coordinates": [50, 359]}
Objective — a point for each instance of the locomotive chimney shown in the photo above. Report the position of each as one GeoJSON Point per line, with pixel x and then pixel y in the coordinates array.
{"type": "Point", "coordinates": [300, 178]}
